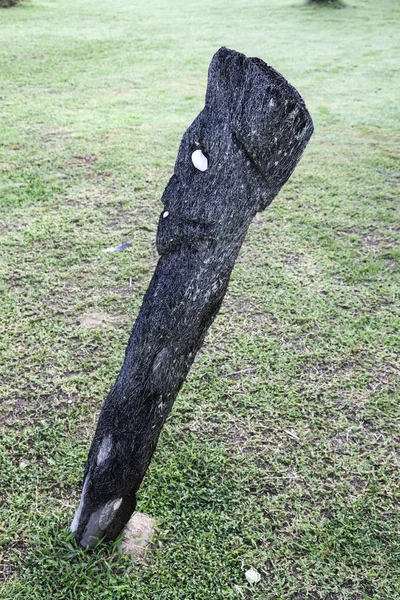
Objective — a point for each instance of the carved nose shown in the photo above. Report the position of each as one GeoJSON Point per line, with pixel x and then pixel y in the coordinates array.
{"type": "Point", "coordinates": [199, 160]}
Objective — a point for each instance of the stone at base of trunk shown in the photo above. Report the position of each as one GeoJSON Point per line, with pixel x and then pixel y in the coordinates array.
{"type": "Point", "coordinates": [137, 534]}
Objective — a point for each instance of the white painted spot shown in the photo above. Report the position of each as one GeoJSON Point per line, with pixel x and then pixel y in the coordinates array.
{"type": "Point", "coordinates": [105, 449]}
{"type": "Point", "coordinates": [117, 504]}
{"type": "Point", "coordinates": [199, 160]}
{"type": "Point", "coordinates": [108, 512]}
{"type": "Point", "coordinates": [75, 522]}
{"type": "Point", "coordinates": [165, 215]}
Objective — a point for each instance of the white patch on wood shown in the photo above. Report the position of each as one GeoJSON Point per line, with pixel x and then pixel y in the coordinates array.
{"type": "Point", "coordinates": [105, 449]}
{"type": "Point", "coordinates": [117, 504]}
{"type": "Point", "coordinates": [199, 160]}
{"type": "Point", "coordinates": [107, 513]}
{"type": "Point", "coordinates": [75, 522]}
{"type": "Point", "coordinates": [159, 359]}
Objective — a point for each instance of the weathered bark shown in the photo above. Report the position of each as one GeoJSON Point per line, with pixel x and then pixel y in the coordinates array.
{"type": "Point", "coordinates": [252, 131]}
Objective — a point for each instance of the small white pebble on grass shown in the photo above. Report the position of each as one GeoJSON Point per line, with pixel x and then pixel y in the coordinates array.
{"type": "Point", "coordinates": [252, 575]}
{"type": "Point", "coordinates": [118, 248]}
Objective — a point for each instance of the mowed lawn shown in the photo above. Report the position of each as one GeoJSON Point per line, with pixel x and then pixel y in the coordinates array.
{"type": "Point", "coordinates": [282, 450]}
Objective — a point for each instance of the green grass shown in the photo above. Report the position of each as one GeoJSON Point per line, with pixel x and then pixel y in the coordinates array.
{"type": "Point", "coordinates": [291, 465]}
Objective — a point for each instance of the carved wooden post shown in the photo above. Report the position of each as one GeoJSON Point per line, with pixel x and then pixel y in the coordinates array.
{"type": "Point", "coordinates": [231, 163]}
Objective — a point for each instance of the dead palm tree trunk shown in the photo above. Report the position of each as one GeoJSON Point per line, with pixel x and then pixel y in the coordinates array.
{"type": "Point", "coordinates": [231, 163]}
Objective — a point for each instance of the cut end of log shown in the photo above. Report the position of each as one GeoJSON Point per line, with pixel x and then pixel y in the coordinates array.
{"type": "Point", "coordinates": [137, 535]}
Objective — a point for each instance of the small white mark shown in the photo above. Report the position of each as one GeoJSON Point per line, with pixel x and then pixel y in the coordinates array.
{"type": "Point", "coordinates": [75, 522]}
{"type": "Point", "coordinates": [104, 450]}
{"type": "Point", "coordinates": [107, 513]}
{"type": "Point", "coordinates": [276, 162]}
{"type": "Point", "coordinates": [165, 215]}
{"type": "Point", "coordinates": [117, 504]}
{"type": "Point", "coordinates": [159, 359]}
{"type": "Point", "coordinates": [199, 160]}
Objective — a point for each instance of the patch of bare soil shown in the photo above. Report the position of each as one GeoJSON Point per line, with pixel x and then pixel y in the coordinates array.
{"type": "Point", "coordinates": [374, 241]}
{"type": "Point", "coordinates": [57, 133]}
{"type": "Point", "coordinates": [97, 320]}
{"type": "Point", "coordinates": [81, 162]}
{"type": "Point", "coordinates": [325, 372]}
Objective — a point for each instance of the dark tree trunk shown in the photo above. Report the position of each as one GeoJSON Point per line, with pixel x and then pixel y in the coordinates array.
{"type": "Point", "coordinates": [231, 163]}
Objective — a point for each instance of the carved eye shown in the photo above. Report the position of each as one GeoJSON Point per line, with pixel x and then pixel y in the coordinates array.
{"type": "Point", "coordinates": [199, 160]}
